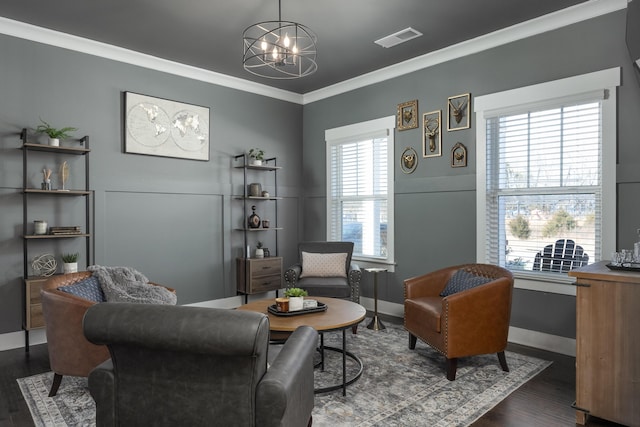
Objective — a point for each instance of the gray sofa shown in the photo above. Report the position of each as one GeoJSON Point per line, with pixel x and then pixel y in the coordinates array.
{"type": "Point", "coordinates": [177, 365]}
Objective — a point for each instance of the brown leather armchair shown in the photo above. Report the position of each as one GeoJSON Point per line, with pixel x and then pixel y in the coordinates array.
{"type": "Point", "coordinates": [469, 322]}
{"type": "Point", "coordinates": [69, 351]}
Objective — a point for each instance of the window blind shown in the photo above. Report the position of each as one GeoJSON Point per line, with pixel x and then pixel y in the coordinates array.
{"type": "Point", "coordinates": [544, 181]}
{"type": "Point", "coordinates": [358, 193]}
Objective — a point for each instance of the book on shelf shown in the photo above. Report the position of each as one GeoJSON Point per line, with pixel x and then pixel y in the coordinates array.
{"type": "Point", "coordinates": [65, 230]}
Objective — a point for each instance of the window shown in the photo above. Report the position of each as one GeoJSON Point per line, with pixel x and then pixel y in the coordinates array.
{"type": "Point", "coordinates": [360, 188]}
{"type": "Point", "coordinates": [546, 175]}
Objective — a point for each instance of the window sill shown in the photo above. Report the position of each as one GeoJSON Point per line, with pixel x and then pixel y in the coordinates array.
{"type": "Point", "coordinates": [541, 282]}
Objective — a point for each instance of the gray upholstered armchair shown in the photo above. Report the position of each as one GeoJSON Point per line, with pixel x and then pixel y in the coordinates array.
{"type": "Point", "coordinates": [325, 270]}
{"type": "Point", "coordinates": [177, 365]}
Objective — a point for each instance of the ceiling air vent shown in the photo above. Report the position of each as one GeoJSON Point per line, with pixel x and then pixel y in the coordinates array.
{"type": "Point", "coordinates": [399, 37]}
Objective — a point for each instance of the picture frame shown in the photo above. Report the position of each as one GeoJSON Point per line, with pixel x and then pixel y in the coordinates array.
{"type": "Point", "coordinates": [458, 108]}
{"type": "Point", "coordinates": [432, 134]}
{"type": "Point", "coordinates": [459, 156]}
{"type": "Point", "coordinates": [162, 127]}
{"type": "Point", "coordinates": [409, 160]}
{"type": "Point", "coordinates": [407, 115]}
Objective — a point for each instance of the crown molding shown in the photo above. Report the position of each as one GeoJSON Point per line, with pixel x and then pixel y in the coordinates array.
{"type": "Point", "coordinates": [552, 21]}
{"type": "Point", "coordinates": [91, 47]}
{"type": "Point", "coordinates": [549, 22]}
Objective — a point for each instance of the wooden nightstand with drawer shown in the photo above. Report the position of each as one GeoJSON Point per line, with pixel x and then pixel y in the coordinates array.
{"type": "Point", "coordinates": [258, 275]}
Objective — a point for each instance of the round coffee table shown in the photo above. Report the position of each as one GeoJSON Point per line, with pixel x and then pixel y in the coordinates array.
{"type": "Point", "coordinates": [339, 316]}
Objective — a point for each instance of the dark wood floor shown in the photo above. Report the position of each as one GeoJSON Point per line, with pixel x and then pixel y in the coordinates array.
{"type": "Point", "coordinates": [544, 401]}
{"type": "Point", "coordinates": [18, 364]}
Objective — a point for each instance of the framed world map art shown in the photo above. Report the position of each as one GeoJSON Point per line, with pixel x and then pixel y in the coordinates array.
{"type": "Point", "coordinates": [161, 127]}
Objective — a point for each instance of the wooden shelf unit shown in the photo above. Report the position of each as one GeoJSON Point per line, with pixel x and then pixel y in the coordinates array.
{"type": "Point", "coordinates": [258, 275]}
{"type": "Point", "coordinates": [33, 317]}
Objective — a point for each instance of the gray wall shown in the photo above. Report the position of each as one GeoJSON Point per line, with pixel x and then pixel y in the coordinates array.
{"type": "Point", "coordinates": [435, 206]}
{"type": "Point", "coordinates": [171, 219]}
{"type": "Point", "coordinates": [174, 219]}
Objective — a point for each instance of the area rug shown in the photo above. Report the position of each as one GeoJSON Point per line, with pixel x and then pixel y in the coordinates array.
{"type": "Point", "coordinates": [398, 386]}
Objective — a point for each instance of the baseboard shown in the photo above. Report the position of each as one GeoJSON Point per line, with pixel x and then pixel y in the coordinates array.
{"type": "Point", "coordinates": [12, 340]}
{"type": "Point", "coordinates": [384, 307]}
{"type": "Point", "coordinates": [542, 341]}
{"type": "Point", "coordinates": [535, 339]}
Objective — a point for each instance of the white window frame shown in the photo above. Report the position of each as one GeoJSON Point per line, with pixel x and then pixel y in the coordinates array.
{"type": "Point", "coordinates": [358, 131]}
{"type": "Point", "coordinates": [605, 83]}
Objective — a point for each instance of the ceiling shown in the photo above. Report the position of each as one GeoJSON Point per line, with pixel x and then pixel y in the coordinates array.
{"type": "Point", "coordinates": [207, 34]}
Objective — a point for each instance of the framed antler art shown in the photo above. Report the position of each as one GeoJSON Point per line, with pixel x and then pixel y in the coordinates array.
{"type": "Point", "coordinates": [407, 115]}
{"type": "Point", "coordinates": [458, 112]}
{"type": "Point", "coordinates": [431, 134]}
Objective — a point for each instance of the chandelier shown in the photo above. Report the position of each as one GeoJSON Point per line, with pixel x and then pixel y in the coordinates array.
{"type": "Point", "coordinates": [279, 49]}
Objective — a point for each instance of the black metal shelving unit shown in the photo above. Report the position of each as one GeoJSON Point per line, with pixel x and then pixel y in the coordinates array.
{"type": "Point", "coordinates": [31, 296]}
{"type": "Point", "coordinates": [269, 165]}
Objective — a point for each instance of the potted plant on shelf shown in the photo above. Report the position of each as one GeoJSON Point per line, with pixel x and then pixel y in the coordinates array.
{"type": "Point", "coordinates": [55, 135]}
{"type": "Point", "coordinates": [296, 298]}
{"type": "Point", "coordinates": [259, 251]}
{"type": "Point", "coordinates": [70, 262]}
{"type": "Point", "coordinates": [256, 155]}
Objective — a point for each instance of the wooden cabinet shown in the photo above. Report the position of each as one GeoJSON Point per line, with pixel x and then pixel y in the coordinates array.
{"type": "Point", "coordinates": [257, 275]}
{"type": "Point", "coordinates": [33, 308]}
{"type": "Point", "coordinates": [607, 344]}
{"type": "Point", "coordinates": [51, 204]}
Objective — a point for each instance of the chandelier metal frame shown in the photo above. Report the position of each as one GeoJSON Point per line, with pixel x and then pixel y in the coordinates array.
{"type": "Point", "coordinates": [279, 49]}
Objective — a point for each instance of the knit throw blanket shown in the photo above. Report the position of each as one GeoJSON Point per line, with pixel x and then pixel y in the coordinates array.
{"type": "Point", "coordinates": [124, 284]}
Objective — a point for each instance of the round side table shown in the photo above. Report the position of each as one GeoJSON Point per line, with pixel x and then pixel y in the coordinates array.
{"type": "Point", "coordinates": [375, 323]}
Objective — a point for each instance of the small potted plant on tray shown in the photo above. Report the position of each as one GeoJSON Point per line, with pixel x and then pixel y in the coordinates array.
{"type": "Point", "coordinates": [55, 135]}
{"type": "Point", "coordinates": [296, 298]}
{"type": "Point", "coordinates": [70, 262]}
